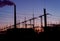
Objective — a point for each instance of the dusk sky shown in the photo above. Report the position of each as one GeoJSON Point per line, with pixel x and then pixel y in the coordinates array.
{"type": "Point", "coordinates": [25, 8]}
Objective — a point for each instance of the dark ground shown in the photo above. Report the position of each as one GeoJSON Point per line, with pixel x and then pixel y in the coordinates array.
{"type": "Point", "coordinates": [30, 34]}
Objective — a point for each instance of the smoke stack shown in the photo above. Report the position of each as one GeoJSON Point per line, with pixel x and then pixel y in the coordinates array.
{"type": "Point", "coordinates": [9, 3]}
{"type": "Point", "coordinates": [15, 16]}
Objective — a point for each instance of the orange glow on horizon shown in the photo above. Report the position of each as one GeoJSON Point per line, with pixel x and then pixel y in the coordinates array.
{"type": "Point", "coordinates": [38, 29]}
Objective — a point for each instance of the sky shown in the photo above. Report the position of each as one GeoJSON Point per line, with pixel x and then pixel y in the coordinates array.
{"type": "Point", "coordinates": [25, 8]}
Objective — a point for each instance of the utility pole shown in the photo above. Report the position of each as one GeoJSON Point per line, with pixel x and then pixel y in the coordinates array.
{"type": "Point", "coordinates": [45, 18]}
{"type": "Point", "coordinates": [41, 21]}
{"type": "Point", "coordinates": [30, 22]}
{"type": "Point", "coordinates": [33, 20]}
{"type": "Point", "coordinates": [25, 23]}
{"type": "Point", "coordinates": [19, 25]}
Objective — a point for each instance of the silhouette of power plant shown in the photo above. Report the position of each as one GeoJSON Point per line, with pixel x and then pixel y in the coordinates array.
{"type": "Point", "coordinates": [32, 19]}
{"type": "Point", "coordinates": [29, 33]}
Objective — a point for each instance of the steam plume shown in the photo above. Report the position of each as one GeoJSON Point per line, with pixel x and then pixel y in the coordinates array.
{"type": "Point", "coordinates": [6, 2]}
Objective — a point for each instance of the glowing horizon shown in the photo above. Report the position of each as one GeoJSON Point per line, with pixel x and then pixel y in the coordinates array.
{"type": "Point", "coordinates": [25, 9]}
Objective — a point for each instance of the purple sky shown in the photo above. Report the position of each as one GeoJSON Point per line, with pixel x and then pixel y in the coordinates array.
{"type": "Point", "coordinates": [25, 8]}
